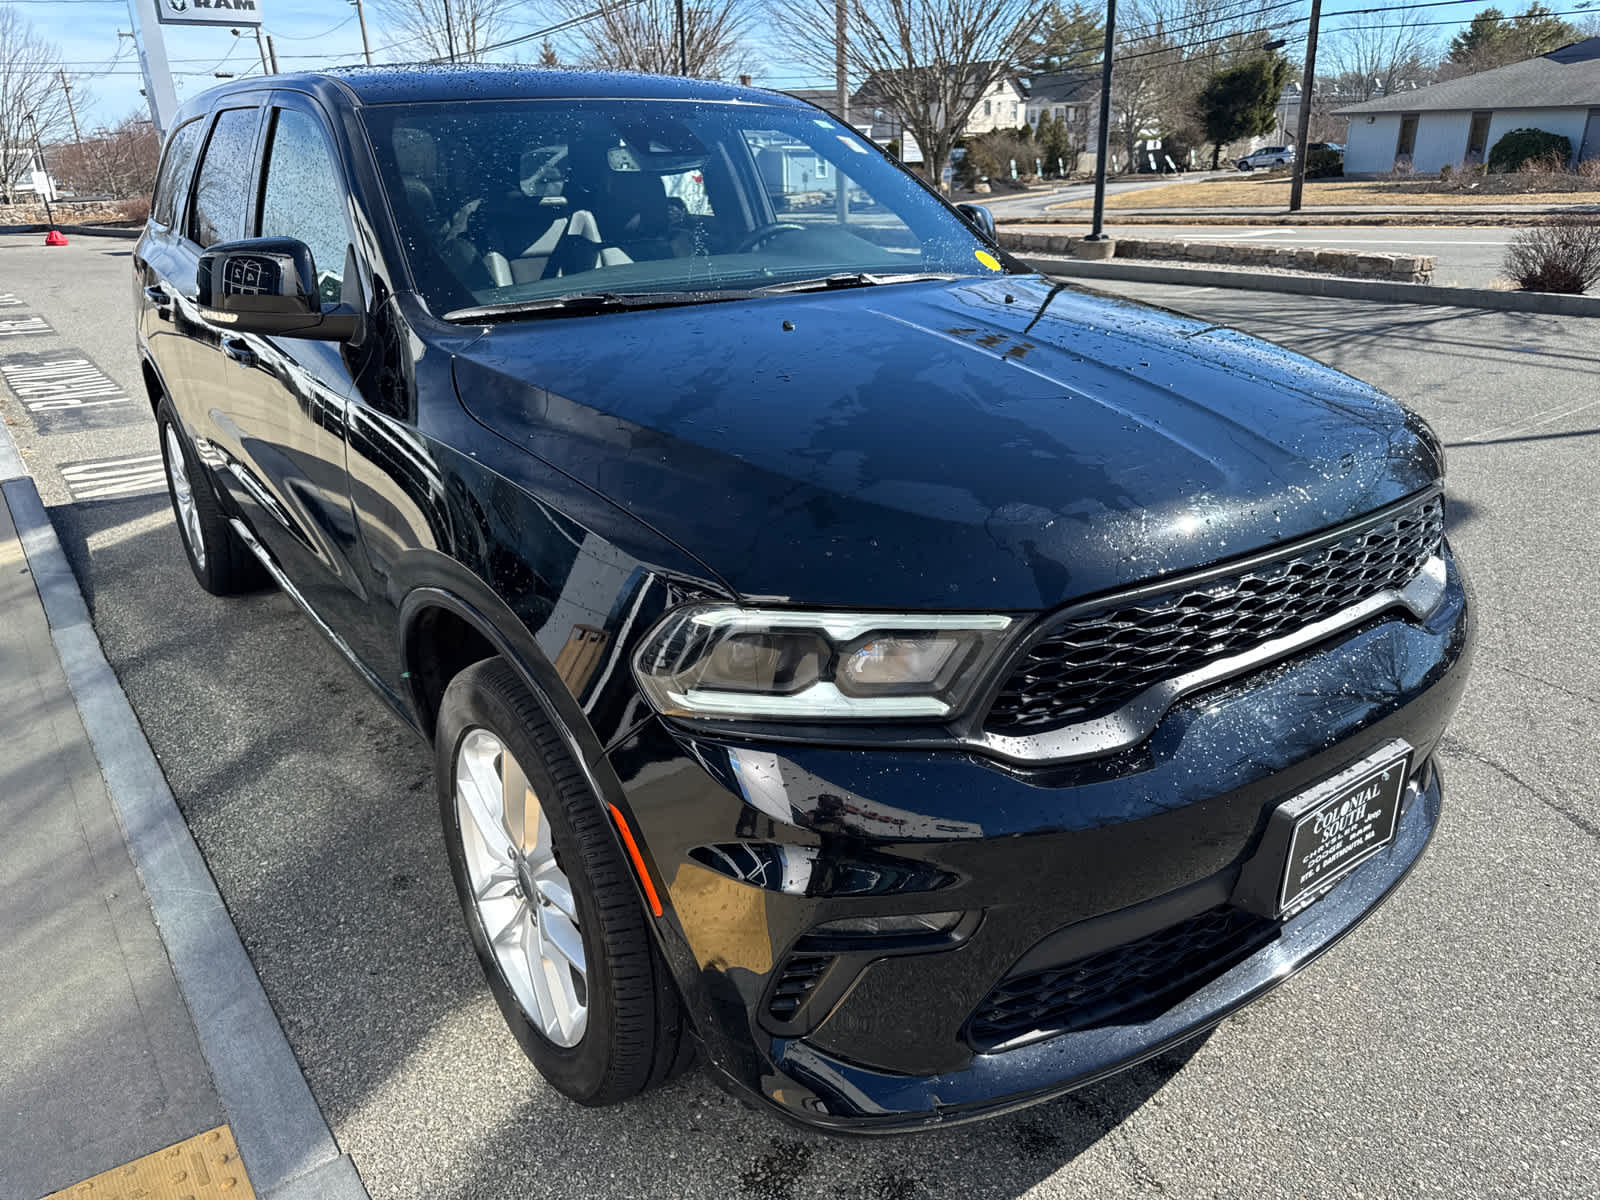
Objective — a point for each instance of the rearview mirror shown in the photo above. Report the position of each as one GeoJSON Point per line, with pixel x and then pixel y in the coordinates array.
{"type": "Point", "coordinates": [269, 285]}
{"type": "Point", "coordinates": [979, 217]}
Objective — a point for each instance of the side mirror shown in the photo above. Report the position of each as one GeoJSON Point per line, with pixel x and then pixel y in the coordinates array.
{"type": "Point", "coordinates": [979, 217]}
{"type": "Point", "coordinates": [269, 286]}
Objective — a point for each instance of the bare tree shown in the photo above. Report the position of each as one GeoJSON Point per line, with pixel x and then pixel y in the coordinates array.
{"type": "Point", "coordinates": [1169, 49]}
{"type": "Point", "coordinates": [120, 162]}
{"type": "Point", "coordinates": [458, 30]}
{"type": "Point", "coordinates": [1379, 53]}
{"type": "Point", "coordinates": [30, 87]}
{"type": "Point", "coordinates": [642, 35]}
{"type": "Point", "coordinates": [928, 61]}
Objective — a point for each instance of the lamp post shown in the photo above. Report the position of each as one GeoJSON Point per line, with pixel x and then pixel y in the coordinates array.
{"type": "Point", "coordinates": [1103, 136]}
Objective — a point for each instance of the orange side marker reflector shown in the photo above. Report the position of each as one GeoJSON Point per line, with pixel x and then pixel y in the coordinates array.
{"type": "Point", "coordinates": [638, 860]}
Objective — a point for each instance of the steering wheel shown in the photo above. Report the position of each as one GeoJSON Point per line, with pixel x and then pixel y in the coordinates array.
{"type": "Point", "coordinates": [765, 233]}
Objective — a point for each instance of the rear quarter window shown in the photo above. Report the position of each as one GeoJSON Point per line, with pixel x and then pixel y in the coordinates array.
{"type": "Point", "coordinates": [176, 167]}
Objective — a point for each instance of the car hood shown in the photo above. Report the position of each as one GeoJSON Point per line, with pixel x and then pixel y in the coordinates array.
{"type": "Point", "coordinates": [980, 444]}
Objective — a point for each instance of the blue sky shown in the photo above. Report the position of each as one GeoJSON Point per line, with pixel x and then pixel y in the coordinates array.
{"type": "Point", "coordinates": [312, 33]}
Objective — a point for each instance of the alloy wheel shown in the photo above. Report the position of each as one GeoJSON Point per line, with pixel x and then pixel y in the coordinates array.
{"type": "Point", "coordinates": [522, 896]}
{"type": "Point", "coordinates": [183, 496]}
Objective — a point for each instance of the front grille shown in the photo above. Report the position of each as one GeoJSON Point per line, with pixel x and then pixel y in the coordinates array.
{"type": "Point", "coordinates": [799, 976]}
{"type": "Point", "coordinates": [1102, 658]}
{"type": "Point", "coordinates": [1119, 982]}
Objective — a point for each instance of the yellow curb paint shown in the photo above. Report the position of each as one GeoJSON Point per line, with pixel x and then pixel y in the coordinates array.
{"type": "Point", "coordinates": [204, 1167]}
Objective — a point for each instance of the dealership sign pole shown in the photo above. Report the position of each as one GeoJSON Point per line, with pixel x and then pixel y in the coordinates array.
{"type": "Point", "coordinates": [148, 18]}
{"type": "Point", "coordinates": [158, 91]}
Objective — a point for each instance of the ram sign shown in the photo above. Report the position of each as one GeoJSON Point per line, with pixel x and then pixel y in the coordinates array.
{"type": "Point", "coordinates": [209, 12]}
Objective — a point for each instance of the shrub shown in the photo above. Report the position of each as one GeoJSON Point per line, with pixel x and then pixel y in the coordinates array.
{"type": "Point", "coordinates": [1323, 164]}
{"type": "Point", "coordinates": [1562, 255]}
{"type": "Point", "coordinates": [1589, 170]}
{"type": "Point", "coordinates": [136, 210]}
{"type": "Point", "coordinates": [1515, 149]}
{"type": "Point", "coordinates": [1402, 168]}
{"type": "Point", "coordinates": [1446, 173]}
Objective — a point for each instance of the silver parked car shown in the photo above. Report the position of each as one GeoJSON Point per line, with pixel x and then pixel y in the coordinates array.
{"type": "Point", "coordinates": [1267, 156]}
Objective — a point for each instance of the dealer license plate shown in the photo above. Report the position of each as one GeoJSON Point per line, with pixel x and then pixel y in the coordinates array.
{"type": "Point", "coordinates": [1341, 823]}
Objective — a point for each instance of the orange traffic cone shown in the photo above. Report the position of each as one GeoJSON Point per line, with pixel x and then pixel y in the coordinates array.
{"type": "Point", "coordinates": [55, 238]}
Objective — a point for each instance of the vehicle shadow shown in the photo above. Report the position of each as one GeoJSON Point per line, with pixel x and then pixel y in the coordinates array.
{"type": "Point", "coordinates": [315, 810]}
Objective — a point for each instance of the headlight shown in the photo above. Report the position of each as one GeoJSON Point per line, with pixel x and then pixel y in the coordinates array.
{"type": "Point", "coordinates": [719, 660]}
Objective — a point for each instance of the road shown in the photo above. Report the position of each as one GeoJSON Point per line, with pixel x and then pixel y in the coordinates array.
{"type": "Point", "coordinates": [1464, 256]}
{"type": "Point", "coordinates": [1038, 203]}
{"type": "Point", "coordinates": [1444, 1050]}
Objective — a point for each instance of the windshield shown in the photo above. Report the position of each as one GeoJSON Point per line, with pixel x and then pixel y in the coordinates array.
{"type": "Point", "coordinates": [511, 201]}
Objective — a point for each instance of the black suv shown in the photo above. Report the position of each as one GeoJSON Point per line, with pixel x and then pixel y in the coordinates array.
{"type": "Point", "coordinates": [920, 686]}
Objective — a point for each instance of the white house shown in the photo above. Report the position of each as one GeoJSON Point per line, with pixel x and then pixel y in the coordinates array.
{"type": "Point", "coordinates": [1458, 121]}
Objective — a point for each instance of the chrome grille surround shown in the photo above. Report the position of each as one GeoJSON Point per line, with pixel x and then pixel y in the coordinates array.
{"type": "Point", "coordinates": [1100, 678]}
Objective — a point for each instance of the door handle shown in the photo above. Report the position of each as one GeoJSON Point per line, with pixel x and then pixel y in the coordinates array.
{"type": "Point", "coordinates": [239, 350]}
{"type": "Point", "coordinates": [158, 297]}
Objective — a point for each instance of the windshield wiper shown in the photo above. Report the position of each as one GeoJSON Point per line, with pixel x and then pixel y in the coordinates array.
{"type": "Point", "coordinates": [849, 279]}
{"type": "Point", "coordinates": [577, 303]}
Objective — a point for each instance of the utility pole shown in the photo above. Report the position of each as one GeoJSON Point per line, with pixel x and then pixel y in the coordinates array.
{"type": "Point", "coordinates": [683, 41]}
{"type": "Point", "coordinates": [841, 83]}
{"type": "Point", "coordinates": [841, 101]}
{"type": "Point", "coordinates": [71, 112]}
{"type": "Point", "coordinates": [272, 54]}
{"type": "Point", "coordinates": [366, 47]}
{"type": "Point", "coordinates": [1103, 137]}
{"type": "Point", "coordinates": [449, 32]}
{"type": "Point", "coordinates": [1297, 185]}
{"type": "Point", "coordinates": [261, 49]}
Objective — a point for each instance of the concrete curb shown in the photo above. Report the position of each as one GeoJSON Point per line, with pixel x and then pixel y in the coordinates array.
{"type": "Point", "coordinates": [1321, 285]}
{"type": "Point", "coordinates": [82, 230]}
{"type": "Point", "coordinates": [1397, 217]}
{"type": "Point", "coordinates": [284, 1141]}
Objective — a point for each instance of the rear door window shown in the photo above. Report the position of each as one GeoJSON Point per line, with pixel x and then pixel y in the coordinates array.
{"type": "Point", "coordinates": [222, 189]}
{"type": "Point", "coordinates": [175, 169]}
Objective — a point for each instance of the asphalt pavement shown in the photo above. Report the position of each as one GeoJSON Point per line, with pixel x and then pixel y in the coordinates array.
{"type": "Point", "coordinates": [1444, 1050]}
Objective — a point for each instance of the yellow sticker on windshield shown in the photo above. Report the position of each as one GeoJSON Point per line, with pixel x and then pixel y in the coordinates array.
{"type": "Point", "coordinates": [987, 259]}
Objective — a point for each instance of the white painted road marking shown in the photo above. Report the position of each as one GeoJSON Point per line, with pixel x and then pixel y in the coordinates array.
{"type": "Point", "coordinates": [62, 389]}
{"type": "Point", "coordinates": [55, 383]}
{"type": "Point", "coordinates": [25, 325]}
{"type": "Point", "coordinates": [106, 477]}
{"type": "Point", "coordinates": [9, 300]}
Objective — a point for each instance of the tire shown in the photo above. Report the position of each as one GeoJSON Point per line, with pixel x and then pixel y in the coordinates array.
{"type": "Point", "coordinates": [1244, 166]}
{"type": "Point", "coordinates": [632, 1033]}
{"type": "Point", "coordinates": [221, 563]}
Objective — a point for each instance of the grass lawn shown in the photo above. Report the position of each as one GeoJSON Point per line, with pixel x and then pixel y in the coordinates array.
{"type": "Point", "coordinates": [1274, 193]}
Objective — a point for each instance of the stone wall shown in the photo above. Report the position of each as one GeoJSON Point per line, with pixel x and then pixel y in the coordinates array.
{"type": "Point", "coordinates": [67, 212]}
{"type": "Point", "coordinates": [1396, 268]}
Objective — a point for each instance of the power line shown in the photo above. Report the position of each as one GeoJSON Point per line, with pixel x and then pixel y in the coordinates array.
{"type": "Point", "coordinates": [557, 28]}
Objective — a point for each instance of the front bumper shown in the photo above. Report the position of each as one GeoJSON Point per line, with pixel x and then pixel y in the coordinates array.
{"type": "Point", "coordinates": [759, 844]}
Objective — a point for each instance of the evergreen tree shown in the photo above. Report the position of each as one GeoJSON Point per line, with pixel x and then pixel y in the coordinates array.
{"type": "Point", "coordinates": [1491, 39]}
{"type": "Point", "coordinates": [1242, 102]}
{"type": "Point", "coordinates": [1069, 38]}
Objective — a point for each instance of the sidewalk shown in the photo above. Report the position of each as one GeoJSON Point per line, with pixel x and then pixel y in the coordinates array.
{"type": "Point", "coordinates": [130, 1019]}
{"type": "Point", "coordinates": [101, 1063]}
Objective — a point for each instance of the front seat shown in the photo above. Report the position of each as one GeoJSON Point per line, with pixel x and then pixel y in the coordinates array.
{"type": "Point", "coordinates": [633, 215]}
